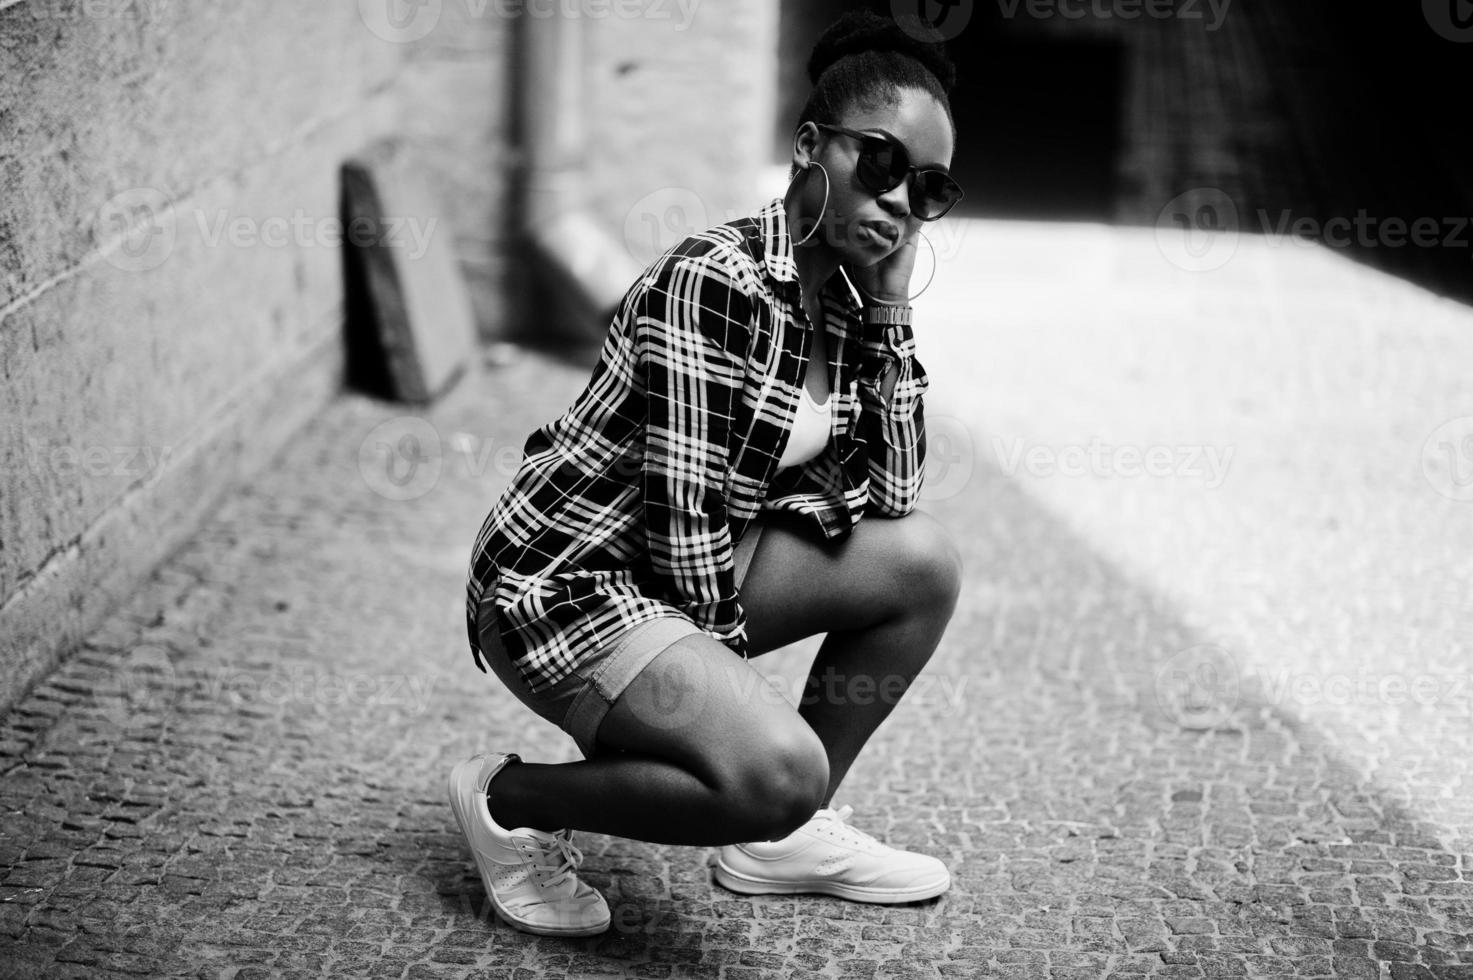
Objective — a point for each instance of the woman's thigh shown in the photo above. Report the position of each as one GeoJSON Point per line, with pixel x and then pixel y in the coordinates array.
{"type": "Point", "coordinates": [798, 585]}
{"type": "Point", "coordinates": [700, 705]}
{"type": "Point", "coordinates": [705, 708]}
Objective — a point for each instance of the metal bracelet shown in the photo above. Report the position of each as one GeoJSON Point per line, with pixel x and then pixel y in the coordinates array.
{"type": "Point", "coordinates": [887, 315]}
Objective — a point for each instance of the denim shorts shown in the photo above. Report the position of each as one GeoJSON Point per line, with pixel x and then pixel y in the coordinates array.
{"type": "Point", "coordinates": [577, 703]}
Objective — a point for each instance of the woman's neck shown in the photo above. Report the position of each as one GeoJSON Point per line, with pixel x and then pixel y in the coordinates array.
{"type": "Point", "coordinates": [816, 262]}
{"type": "Point", "coordinates": [816, 265]}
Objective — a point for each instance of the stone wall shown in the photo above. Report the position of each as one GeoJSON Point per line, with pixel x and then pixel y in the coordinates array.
{"type": "Point", "coordinates": [679, 112]}
{"type": "Point", "coordinates": [171, 302]}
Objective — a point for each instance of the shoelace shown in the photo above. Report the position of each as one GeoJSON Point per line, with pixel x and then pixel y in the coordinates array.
{"type": "Point", "coordinates": [848, 832]}
{"type": "Point", "coordinates": [558, 855]}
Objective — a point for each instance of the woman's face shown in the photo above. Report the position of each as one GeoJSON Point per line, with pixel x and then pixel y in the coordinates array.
{"type": "Point", "coordinates": [859, 225]}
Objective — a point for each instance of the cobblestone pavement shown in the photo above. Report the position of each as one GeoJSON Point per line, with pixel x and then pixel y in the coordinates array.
{"type": "Point", "coordinates": [1201, 720]}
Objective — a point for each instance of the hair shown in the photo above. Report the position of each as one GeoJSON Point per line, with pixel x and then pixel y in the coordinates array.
{"type": "Point", "coordinates": [865, 60]}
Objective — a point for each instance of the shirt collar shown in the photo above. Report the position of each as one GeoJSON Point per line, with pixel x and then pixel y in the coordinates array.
{"type": "Point", "coordinates": [777, 246]}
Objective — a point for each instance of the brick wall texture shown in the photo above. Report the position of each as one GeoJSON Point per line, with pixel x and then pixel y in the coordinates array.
{"type": "Point", "coordinates": [171, 305]}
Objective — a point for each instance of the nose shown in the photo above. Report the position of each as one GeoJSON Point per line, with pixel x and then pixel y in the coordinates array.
{"type": "Point", "coordinates": [897, 199]}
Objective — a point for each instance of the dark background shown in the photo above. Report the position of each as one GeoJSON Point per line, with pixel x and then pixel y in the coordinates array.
{"type": "Point", "coordinates": [1311, 109]}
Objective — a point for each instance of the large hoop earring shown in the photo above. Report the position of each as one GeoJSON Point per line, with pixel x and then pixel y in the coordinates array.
{"type": "Point", "coordinates": [823, 210]}
{"type": "Point", "coordinates": [931, 279]}
{"type": "Point", "coordinates": [934, 263]}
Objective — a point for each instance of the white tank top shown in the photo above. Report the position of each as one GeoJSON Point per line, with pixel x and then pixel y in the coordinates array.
{"type": "Point", "coordinates": [810, 430]}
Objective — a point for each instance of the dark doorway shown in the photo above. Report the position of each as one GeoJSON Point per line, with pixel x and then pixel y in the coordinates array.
{"type": "Point", "coordinates": [1038, 126]}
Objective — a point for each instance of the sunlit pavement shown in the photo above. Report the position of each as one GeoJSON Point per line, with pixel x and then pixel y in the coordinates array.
{"type": "Point", "coordinates": [1203, 710]}
{"type": "Point", "coordinates": [1280, 447]}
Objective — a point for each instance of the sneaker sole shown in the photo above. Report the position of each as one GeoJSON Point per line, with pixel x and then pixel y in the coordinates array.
{"type": "Point", "coordinates": [457, 801]}
{"type": "Point", "coordinates": [750, 885]}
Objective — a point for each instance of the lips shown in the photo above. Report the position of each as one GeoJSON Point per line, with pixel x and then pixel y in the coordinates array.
{"type": "Point", "coordinates": [882, 230]}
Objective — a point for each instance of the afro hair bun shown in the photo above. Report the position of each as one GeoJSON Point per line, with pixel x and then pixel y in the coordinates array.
{"type": "Point", "coordinates": [857, 32]}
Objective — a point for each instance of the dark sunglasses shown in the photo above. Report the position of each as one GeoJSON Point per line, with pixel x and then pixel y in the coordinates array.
{"type": "Point", "coordinates": [884, 165]}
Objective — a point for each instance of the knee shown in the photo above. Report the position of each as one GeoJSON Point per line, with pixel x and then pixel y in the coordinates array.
{"type": "Point", "coordinates": [927, 562]}
{"type": "Point", "coordinates": [780, 783]}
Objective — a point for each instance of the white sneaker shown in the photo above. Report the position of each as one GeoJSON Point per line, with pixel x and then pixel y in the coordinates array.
{"type": "Point", "coordinates": [828, 856]}
{"type": "Point", "coordinates": [530, 875]}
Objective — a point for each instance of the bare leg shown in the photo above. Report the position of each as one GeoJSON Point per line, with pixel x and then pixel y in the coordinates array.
{"type": "Point", "coordinates": [698, 750]}
{"type": "Point", "coordinates": [701, 751]}
{"type": "Point", "coordinates": [884, 595]}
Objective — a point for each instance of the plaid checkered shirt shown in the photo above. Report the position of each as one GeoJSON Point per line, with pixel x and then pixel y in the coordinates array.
{"type": "Point", "coordinates": [627, 507]}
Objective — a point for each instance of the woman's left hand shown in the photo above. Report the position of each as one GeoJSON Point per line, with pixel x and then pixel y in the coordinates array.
{"type": "Point", "coordinates": [888, 280]}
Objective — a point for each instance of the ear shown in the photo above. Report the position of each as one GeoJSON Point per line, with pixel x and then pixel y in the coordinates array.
{"type": "Point", "coordinates": [805, 144]}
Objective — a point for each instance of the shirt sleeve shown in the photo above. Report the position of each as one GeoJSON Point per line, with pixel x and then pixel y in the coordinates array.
{"type": "Point", "coordinates": [692, 324]}
{"type": "Point", "coordinates": [892, 383]}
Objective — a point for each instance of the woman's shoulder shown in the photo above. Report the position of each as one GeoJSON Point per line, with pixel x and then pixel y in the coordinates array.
{"type": "Point", "coordinates": [711, 281]}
